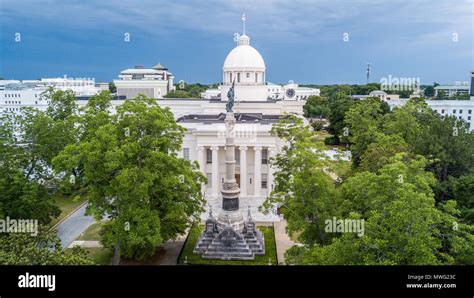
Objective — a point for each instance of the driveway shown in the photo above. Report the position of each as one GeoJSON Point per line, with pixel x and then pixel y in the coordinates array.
{"type": "Point", "coordinates": [76, 223]}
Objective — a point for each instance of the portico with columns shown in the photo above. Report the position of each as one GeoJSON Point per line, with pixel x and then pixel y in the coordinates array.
{"type": "Point", "coordinates": [253, 172]}
{"type": "Point", "coordinates": [250, 168]}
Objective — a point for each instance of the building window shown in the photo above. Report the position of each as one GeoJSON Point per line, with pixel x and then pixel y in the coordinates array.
{"type": "Point", "coordinates": [238, 77]}
{"type": "Point", "coordinates": [209, 180]}
{"type": "Point", "coordinates": [442, 111]}
{"type": "Point", "coordinates": [248, 75]}
{"type": "Point", "coordinates": [237, 156]}
{"type": "Point", "coordinates": [469, 111]}
{"type": "Point", "coordinates": [209, 155]}
{"type": "Point", "coordinates": [460, 117]}
{"type": "Point", "coordinates": [264, 156]}
{"type": "Point", "coordinates": [264, 180]}
{"type": "Point", "coordinates": [454, 111]}
{"type": "Point", "coordinates": [468, 117]}
{"type": "Point", "coordinates": [230, 77]}
{"type": "Point", "coordinates": [256, 77]}
{"type": "Point", "coordinates": [186, 153]}
{"type": "Point", "coordinates": [460, 111]}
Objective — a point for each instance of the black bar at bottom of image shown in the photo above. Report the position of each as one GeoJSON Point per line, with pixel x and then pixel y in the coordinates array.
{"type": "Point", "coordinates": [416, 281]}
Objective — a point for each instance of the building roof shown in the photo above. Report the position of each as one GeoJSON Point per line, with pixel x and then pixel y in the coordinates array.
{"type": "Point", "coordinates": [160, 66]}
{"type": "Point", "coordinates": [239, 117]}
{"type": "Point", "coordinates": [454, 87]}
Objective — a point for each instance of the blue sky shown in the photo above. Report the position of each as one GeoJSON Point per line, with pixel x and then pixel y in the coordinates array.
{"type": "Point", "coordinates": [300, 40]}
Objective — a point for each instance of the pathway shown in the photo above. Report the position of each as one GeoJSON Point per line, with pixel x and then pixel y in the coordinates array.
{"type": "Point", "coordinates": [283, 241]}
{"type": "Point", "coordinates": [85, 244]}
{"type": "Point", "coordinates": [172, 248]}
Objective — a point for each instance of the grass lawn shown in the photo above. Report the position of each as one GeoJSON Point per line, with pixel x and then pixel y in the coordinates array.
{"type": "Point", "coordinates": [195, 259]}
{"type": "Point", "coordinates": [92, 232]}
{"type": "Point", "coordinates": [67, 204]}
{"type": "Point", "coordinates": [294, 236]}
{"type": "Point", "coordinates": [100, 255]}
{"type": "Point", "coordinates": [321, 135]}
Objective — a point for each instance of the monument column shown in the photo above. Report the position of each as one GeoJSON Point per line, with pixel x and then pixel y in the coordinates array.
{"type": "Point", "coordinates": [243, 171]}
{"type": "Point", "coordinates": [258, 171]}
{"type": "Point", "coordinates": [215, 171]}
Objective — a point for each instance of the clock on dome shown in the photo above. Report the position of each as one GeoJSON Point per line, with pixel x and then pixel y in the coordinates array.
{"type": "Point", "coordinates": [290, 93]}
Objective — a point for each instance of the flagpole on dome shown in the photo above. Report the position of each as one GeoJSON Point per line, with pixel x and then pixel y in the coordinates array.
{"type": "Point", "coordinates": [243, 21]}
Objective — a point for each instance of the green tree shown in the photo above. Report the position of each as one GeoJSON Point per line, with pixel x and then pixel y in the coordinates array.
{"type": "Point", "coordinates": [42, 249]}
{"type": "Point", "coordinates": [62, 104]}
{"type": "Point", "coordinates": [316, 106]}
{"type": "Point", "coordinates": [402, 224]}
{"type": "Point", "coordinates": [131, 172]}
{"type": "Point", "coordinates": [339, 104]}
{"type": "Point", "coordinates": [379, 153]}
{"type": "Point", "coordinates": [303, 191]}
{"type": "Point", "coordinates": [21, 194]}
{"type": "Point", "coordinates": [429, 91]}
{"type": "Point", "coordinates": [112, 87]}
{"type": "Point", "coordinates": [363, 121]}
{"type": "Point", "coordinates": [463, 193]}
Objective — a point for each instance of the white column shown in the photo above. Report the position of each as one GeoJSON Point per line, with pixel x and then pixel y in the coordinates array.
{"type": "Point", "coordinates": [243, 171]}
{"type": "Point", "coordinates": [215, 171]}
{"type": "Point", "coordinates": [258, 171]}
{"type": "Point", "coordinates": [201, 158]}
{"type": "Point", "coordinates": [271, 153]}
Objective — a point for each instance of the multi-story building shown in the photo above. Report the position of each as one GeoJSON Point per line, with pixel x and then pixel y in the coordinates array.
{"type": "Point", "coordinates": [153, 82]}
{"type": "Point", "coordinates": [15, 94]}
{"type": "Point", "coordinates": [451, 90]}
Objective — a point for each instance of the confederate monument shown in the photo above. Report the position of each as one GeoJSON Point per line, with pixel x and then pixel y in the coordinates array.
{"type": "Point", "coordinates": [229, 237]}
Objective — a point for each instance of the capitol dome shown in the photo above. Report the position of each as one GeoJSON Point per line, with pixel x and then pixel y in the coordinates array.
{"type": "Point", "coordinates": [244, 57]}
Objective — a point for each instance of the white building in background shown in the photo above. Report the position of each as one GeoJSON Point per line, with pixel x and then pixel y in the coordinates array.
{"type": "Point", "coordinates": [153, 82]}
{"type": "Point", "coordinates": [461, 109]}
{"type": "Point", "coordinates": [15, 94]}
{"type": "Point", "coordinates": [450, 90]}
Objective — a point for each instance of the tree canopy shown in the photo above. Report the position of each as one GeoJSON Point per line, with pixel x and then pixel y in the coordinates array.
{"type": "Point", "coordinates": [131, 172]}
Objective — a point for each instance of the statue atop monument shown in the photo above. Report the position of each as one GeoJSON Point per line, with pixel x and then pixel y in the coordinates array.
{"type": "Point", "coordinates": [230, 98]}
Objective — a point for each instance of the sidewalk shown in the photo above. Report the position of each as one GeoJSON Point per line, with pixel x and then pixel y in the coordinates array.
{"type": "Point", "coordinates": [85, 244]}
{"type": "Point", "coordinates": [283, 242]}
{"type": "Point", "coordinates": [172, 249]}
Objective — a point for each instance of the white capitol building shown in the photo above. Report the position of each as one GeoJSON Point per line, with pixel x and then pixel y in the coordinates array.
{"type": "Point", "coordinates": [256, 109]}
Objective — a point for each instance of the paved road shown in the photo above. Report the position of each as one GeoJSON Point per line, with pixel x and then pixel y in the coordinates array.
{"type": "Point", "coordinates": [73, 226]}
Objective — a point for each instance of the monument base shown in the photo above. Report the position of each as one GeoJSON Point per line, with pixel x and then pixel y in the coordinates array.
{"type": "Point", "coordinates": [234, 217]}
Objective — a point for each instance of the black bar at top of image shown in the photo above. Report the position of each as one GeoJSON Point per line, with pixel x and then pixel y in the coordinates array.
{"type": "Point", "coordinates": [348, 281]}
